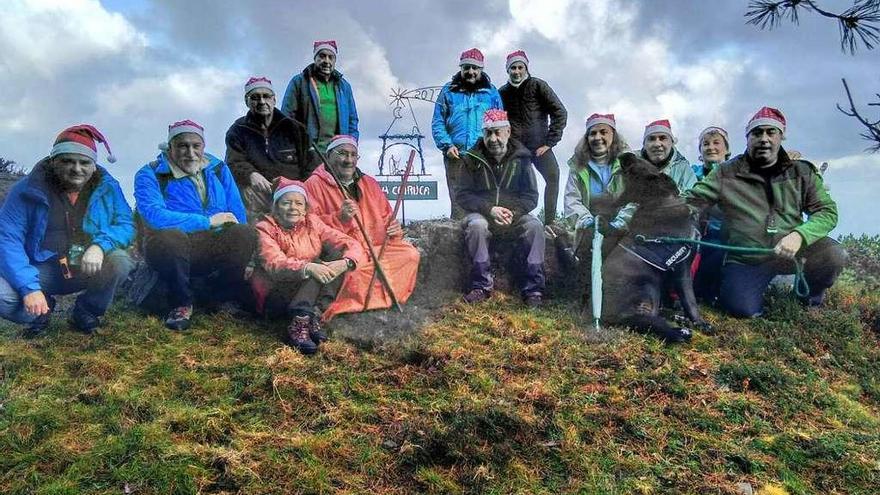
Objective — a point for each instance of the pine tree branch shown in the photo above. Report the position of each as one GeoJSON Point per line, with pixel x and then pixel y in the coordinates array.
{"type": "Point", "coordinates": [858, 25]}
{"type": "Point", "coordinates": [873, 128]}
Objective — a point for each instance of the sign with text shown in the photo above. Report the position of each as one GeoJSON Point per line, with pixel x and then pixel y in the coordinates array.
{"type": "Point", "coordinates": [421, 190]}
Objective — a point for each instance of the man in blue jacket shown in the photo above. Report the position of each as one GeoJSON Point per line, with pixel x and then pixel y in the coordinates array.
{"type": "Point", "coordinates": [458, 116]}
{"type": "Point", "coordinates": [321, 98]}
{"type": "Point", "coordinates": [64, 228]}
{"type": "Point", "coordinates": [194, 220]}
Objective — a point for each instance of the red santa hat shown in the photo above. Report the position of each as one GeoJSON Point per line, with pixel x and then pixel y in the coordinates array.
{"type": "Point", "coordinates": [324, 45]}
{"type": "Point", "coordinates": [183, 126]}
{"type": "Point", "coordinates": [598, 118]}
{"type": "Point", "coordinates": [80, 139]}
{"type": "Point", "coordinates": [258, 82]}
{"type": "Point", "coordinates": [659, 126]}
{"type": "Point", "coordinates": [285, 186]}
{"type": "Point", "coordinates": [472, 57]}
{"type": "Point", "coordinates": [341, 139]}
{"type": "Point", "coordinates": [517, 56]}
{"type": "Point", "coordinates": [713, 129]}
{"type": "Point", "coordinates": [494, 118]}
{"type": "Point", "coordinates": [767, 116]}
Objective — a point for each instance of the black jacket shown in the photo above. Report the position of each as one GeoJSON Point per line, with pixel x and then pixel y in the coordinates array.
{"type": "Point", "coordinates": [484, 183]}
{"type": "Point", "coordinates": [281, 151]}
{"type": "Point", "coordinates": [528, 107]}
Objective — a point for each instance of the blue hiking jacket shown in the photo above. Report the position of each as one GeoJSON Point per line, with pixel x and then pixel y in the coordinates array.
{"type": "Point", "coordinates": [458, 115]}
{"type": "Point", "coordinates": [181, 206]}
{"type": "Point", "coordinates": [25, 215]}
{"type": "Point", "coordinates": [301, 103]}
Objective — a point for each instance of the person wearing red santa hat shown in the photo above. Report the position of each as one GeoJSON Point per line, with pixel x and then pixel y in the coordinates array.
{"type": "Point", "coordinates": [64, 228]}
{"type": "Point", "coordinates": [458, 113]}
{"type": "Point", "coordinates": [303, 263]}
{"type": "Point", "coordinates": [537, 118]}
{"type": "Point", "coordinates": [764, 196]}
{"type": "Point", "coordinates": [263, 145]}
{"type": "Point", "coordinates": [497, 190]}
{"type": "Point", "coordinates": [320, 98]}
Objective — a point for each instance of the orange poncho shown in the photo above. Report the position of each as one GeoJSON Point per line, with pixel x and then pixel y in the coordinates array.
{"type": "Point", "coordinates": [400, 262]}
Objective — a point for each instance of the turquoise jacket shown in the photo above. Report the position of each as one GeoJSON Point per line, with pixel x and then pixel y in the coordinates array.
{"type": "Point", "coordinates": [178, 205]}
{"type": "Point", "coordinates": [458, 114]}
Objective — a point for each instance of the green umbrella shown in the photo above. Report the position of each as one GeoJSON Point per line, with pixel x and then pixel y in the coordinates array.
{"type": "Point", "coordinates": [596, 269]}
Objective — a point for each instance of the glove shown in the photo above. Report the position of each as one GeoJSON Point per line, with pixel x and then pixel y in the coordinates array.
{"type": "Point", "coordinates": [585, 222]}
{"type": "Point", "coordinates": [612, 227]}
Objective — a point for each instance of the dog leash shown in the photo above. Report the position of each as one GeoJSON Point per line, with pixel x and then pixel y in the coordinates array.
{"type": "Point", "coordinates": [801, 287]}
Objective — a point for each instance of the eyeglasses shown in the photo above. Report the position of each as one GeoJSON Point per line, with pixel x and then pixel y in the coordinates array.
{"type": "Point", "coordinates": [346, 154]}
{"type": "Point", "coordinates": [469, 67]}
{"type": "Point", "coordinates": [261, 96]}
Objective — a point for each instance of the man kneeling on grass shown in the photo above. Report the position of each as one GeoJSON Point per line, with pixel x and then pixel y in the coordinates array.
{"type": "Point", "coordinates": [64, 228]}
{"type": "Point", "coordinates": [303, 263]}
{"type": "Point", "coordinates": [763, 195]}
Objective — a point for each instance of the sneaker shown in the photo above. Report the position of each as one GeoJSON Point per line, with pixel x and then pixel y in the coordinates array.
{"type": "Point", "coordinates": [178, 318]}
{"type": "Point", "coordinates": [298, 334]}
{"type": "Point", "coordinates": [316, 333]}
{"type": "Point", "coordinates": [37, 328]}
{"type": "Point", "coordinates": [40, 325]}
{"type": "Point", "coordinates": [534, 300]}
{"type": "Point", "coordinates": [476, 295]}
{"type": "Point", "coordinates": [83, 321]}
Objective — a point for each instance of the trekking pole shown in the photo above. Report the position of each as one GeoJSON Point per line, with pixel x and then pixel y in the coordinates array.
{"type": "Point", "coordinates": [397, 203]}
{"type": "Point", "coordinates": [361, 227]}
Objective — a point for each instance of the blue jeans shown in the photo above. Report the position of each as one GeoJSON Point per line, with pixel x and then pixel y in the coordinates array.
{"type": "Point", "coordinates": [98, 290]}
{"type": "Point", "coordinates": [743, 286]}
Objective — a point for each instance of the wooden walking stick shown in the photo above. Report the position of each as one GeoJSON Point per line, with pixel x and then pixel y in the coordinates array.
{"type": "Point", "coordinates": [360, 224]}
{"type": "Point", "coordinates": [397, 203]}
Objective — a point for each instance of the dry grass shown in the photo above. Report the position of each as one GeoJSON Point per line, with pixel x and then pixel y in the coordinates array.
{"type": "Point", "coordinates": [491, 399]}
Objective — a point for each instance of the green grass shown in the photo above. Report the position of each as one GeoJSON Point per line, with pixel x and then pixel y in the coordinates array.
{"type": "Point", "coordinates": [491, 399]}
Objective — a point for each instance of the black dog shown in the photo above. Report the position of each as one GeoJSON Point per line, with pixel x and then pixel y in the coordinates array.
{"type": "Point", "coordinates": [636, 274]}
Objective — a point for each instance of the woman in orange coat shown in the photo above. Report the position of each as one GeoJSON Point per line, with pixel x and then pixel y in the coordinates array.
{"type": "Point", "coordinates": [400, 260]}
{"type": "Point", "coordinates": [302, 264]}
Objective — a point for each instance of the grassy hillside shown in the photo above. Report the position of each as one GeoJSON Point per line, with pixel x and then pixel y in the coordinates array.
{"type": "Point", "coordinates": [491, 399]}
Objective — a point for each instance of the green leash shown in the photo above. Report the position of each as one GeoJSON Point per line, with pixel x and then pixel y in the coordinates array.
{"type": "Point", "coordinates": [801, 287]}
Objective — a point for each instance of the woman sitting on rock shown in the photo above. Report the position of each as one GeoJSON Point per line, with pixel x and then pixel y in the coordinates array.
{"type": "Point", "coordinates": [302, 263]}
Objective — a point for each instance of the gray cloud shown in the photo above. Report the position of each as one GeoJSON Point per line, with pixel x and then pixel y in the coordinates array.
{"type": "Point", "coordinates": [694, 62]}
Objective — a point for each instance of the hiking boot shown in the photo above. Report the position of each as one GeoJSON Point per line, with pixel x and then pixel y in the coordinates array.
{"type": "Point", "coordinates": [37, 328]}
{"type": "Point", "coordinates": [179, 318]}
{"type": "Point", "coordinates": [534, 300]}
{"type": "Point", "coordinates": [316, 333]}
{"type": "Point", "coordinates": [476, 295]}
{"type": "Point", "coordinates": [40, 325]}
{"type": "Point", "coordinates": [83, 321]}
{"type": "Point", "coordinates": [298, 334]}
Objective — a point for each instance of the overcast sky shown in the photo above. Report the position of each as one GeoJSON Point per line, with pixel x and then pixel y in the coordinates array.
{"type": "Point", "coordinates": [132, 67]}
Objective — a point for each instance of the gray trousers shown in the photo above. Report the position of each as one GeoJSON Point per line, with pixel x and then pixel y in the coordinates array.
{"type": "Point", "coordinates": [527, 231]}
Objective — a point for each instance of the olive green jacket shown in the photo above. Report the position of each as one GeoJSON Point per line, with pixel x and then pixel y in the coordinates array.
{"type": "Point", "coordinates": [758, 216]}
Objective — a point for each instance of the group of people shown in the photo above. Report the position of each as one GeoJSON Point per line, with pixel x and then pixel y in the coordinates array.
{"type": "Point", "coordinates": [289, 224]}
